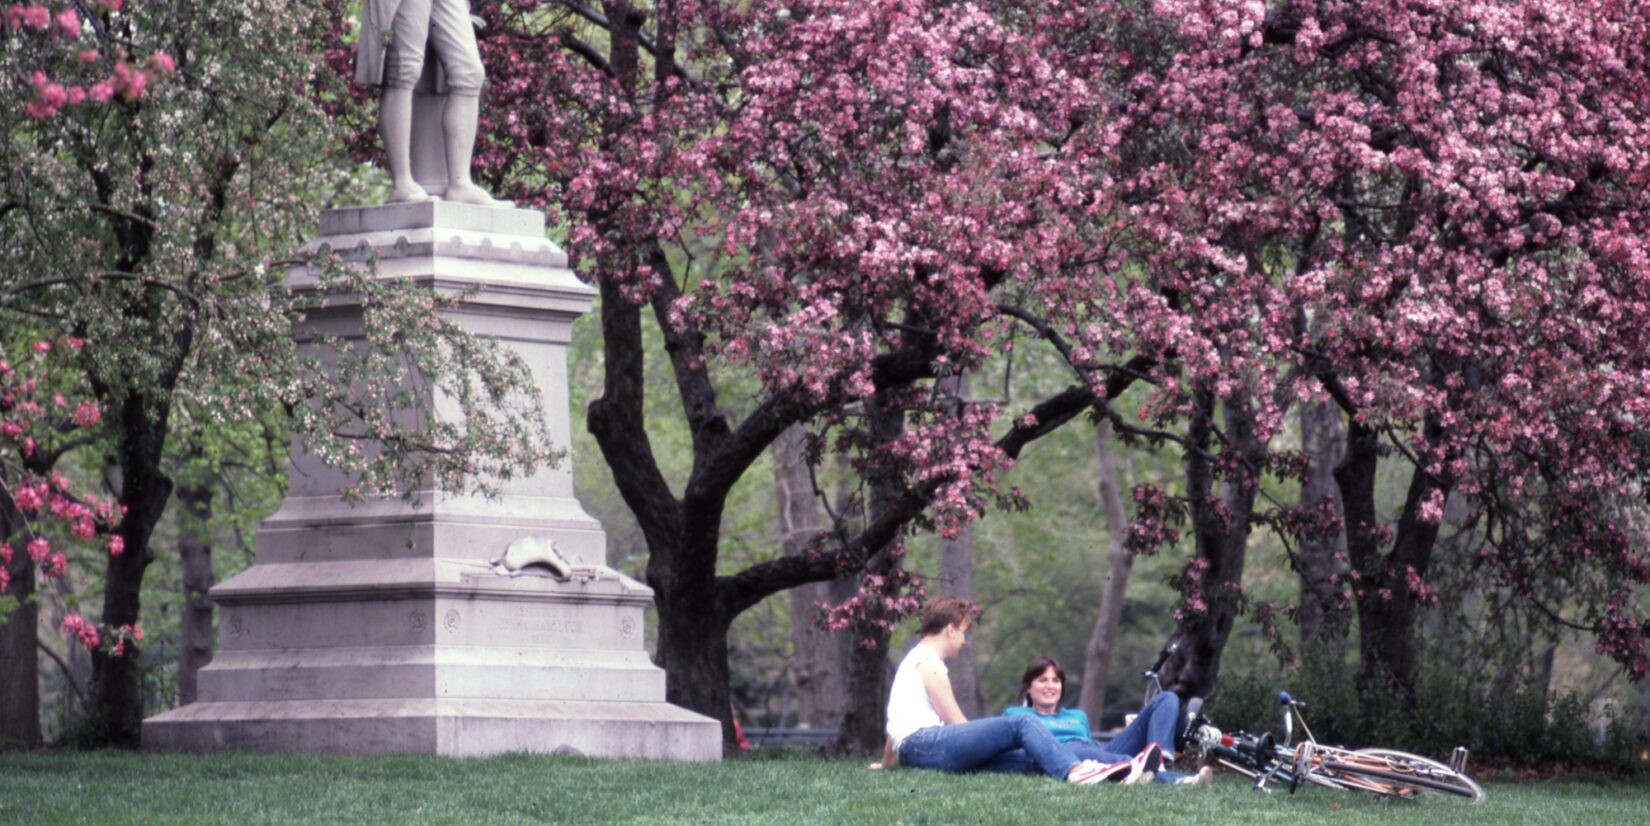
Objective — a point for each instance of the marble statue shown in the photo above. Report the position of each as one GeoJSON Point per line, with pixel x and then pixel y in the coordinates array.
{"type": "Point", "coordinates": [397, 36]}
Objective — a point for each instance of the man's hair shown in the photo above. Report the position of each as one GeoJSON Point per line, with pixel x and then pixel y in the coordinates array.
{"type": "Point", "coordinates": [940, 612]}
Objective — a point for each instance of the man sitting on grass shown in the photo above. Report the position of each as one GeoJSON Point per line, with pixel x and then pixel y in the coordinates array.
{"type": "Point", "coordinates": [927, 729]}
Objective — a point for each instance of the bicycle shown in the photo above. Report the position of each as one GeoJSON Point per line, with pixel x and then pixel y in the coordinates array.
{"type": "Point", "coordinates": [1382, 772]}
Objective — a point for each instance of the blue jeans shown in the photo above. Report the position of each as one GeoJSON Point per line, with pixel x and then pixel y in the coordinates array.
{"type": "Point", "coordinates": [977, 744]}
{"type": "Point", "coordinates": [1154, 724]}
{"type": "Point", "coordinates": [1018, 762]}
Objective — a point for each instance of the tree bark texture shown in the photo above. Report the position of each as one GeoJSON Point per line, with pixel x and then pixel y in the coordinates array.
{"type": "Point", "coordinates": [116, 693]}
{"type": "Point", "coordinates": [1321, 616]}
{"type": "Point", "coordinates": [1119, 564]}
{"type": "Point", "coordinates": [19, 659]}
{"type": "Point", "coordinates": [1220, 524]}
{"type": "Point", "coordinates": [864, 724]}
{"type": "Point", "coordinates": [1387, 605]}
{"type": "Point", "coordinates": [820, 659]}
{"type": "Point", "coordinates": [195, 553]}
{"type": "Point", "coordinates": [957, 580]}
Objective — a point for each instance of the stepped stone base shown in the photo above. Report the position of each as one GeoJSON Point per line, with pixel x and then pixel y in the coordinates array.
{"type": "Point", "coordinates": [385, 626]}
{"type": "Point", "coordinates": [449, 727]}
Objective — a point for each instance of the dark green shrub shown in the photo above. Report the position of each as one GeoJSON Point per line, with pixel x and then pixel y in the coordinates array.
{"type": "Point", "coordinates": [1510, 724]}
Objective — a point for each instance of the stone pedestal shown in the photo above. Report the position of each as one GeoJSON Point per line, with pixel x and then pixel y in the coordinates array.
{"type": "Point", "coordinates": [383, 627]}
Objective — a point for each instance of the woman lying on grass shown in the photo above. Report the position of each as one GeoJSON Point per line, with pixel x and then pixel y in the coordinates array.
{"type": "Point", "coordinates": [1043, 686]}
{"type": "Point", "coordinates": [927, 729]}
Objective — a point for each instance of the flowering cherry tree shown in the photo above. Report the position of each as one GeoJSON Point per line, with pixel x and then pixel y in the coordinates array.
{"type": "Point", "coordinates": [1423, 212]}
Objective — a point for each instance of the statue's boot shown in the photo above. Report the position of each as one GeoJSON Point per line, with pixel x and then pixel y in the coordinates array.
{"type": "Point", "coordinates": [395, 126]}
{"type": "Point", "coordinates": [458, 126]}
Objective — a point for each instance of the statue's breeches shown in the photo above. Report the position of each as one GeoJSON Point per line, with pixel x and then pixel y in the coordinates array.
{"type": "Point", "coordinates": [442, 26]}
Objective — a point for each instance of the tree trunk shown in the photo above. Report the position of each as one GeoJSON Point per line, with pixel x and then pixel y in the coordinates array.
{"type": "Point", "coordinates": [19, 659]}
{"type": "Point", "coordinates": [693, 651]}
{"type": "Point", "coordinates": [1386, 604]}
{"type": "Point", "coordinates": [195, 553]}
{"type": "Point", "coordinates": [863, 727]}
{"type": "Point", "coordinates": [1322, 616]}
{"type": "Point", "coordinates": [116, 694]}
{"type": "Point", "coordinates": [820, 658]}
{"type": "Point", "coordinates": [1119, 563]}
{"type": "Point", "coordinates": [1221, 528]}
{"type": "Point", "coordinates": [957, 580]}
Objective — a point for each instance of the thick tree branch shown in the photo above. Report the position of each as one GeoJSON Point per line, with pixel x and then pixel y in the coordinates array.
{"type": "Point", "coordinates": [750, 586]}
{"type": "Point", "coordinates": [616, 419]}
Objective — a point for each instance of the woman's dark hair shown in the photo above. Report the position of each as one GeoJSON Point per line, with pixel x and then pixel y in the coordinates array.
{"type": "Point", "coordinates": [1039, 664]}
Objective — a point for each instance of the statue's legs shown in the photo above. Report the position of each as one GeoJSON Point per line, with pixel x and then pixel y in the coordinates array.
{"type": "Point", "coordinates": [458, 124]}
{"type": "Point", "coordinates": [395, 126]}
{"type": "Point", "coordinates": [453, 39]}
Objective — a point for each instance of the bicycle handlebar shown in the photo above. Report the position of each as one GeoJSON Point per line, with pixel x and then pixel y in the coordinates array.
{"type": "Point", "coordinates": [1164, 655]}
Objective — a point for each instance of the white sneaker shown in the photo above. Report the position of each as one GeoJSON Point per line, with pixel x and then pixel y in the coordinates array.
{"type": "Point", "coordinates": [1204, 777]}
{"type": "Point", "coordinates": [1144, 764]}
{"type": "Point", "coordinates": [1136, 779]}
{"type": "Point", "coordinates": [1090, 772]}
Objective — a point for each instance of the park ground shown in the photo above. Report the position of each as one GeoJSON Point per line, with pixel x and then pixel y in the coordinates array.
{"type": "Point", "coordinates": [792, 789]}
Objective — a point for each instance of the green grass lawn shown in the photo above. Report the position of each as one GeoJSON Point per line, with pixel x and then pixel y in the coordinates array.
{"type": "Point", "coordinates": [791, 790]}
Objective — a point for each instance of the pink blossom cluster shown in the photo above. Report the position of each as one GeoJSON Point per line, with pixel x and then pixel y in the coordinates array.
{"type": "Point", "coordinates": [33, 16]}
{"type": "Point", "coordinates": [84, 632]}
{"type": "Point", "coordinates": [1156, 514]}
{"type": "Point", "coordinates": [1429, 214]}
{"type": "Point", "coordinates": [123, 636]}
{"type": "Point", "coordinates": [880, 603]}
{"type": "Point", "coordinates": [73, 85]}
{"type": "Point", "coordinates": [46, 502]}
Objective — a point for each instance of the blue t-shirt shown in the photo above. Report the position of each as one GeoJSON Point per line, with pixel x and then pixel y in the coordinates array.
{"type": "Point", "coordinates": [1068, 725]}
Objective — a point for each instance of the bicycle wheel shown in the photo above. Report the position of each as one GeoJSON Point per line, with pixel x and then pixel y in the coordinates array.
{"type": "Point", "coordinates": [1406, 769]}
{"type": "Point", "coordinates": [1309, 764]}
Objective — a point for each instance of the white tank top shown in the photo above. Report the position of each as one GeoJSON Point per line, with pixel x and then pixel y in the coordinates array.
{"type": "Point", "coordinates": [909, 709]}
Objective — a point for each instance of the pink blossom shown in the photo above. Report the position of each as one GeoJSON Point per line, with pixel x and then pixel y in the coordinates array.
{"type": "Point", "coordinates": [87, 414]}
{"type": "Point", "coordinates": [10, 429]}
{"type": "Point", "coordinates": [57, 566]}
{"type": "Point", "coordinates": [29, 498]}
{"type": "Point", "coordinates": [84, 631]}
{"type": "Point", "coordinates": [68, 22]}
{"type": "Point", "coordinates": [130, 82]}
{"type": "Point", "coordinates": [162, 62]}
{"type": "Point", "coordinates": [77, 95]}
{"type": "Point", "coordinates": [102, 91]}
{"type": "Point", "coordinates": [39, 549]}
{"type": "Point", "coordinates": [117, 545]}
{"type": "Point", "coordinates": [88, 56]}
{"type": "Point", "coordinates": [41, 346]}
{"type": "Point", "coordinates": [33, 16]}
{"type": "Point", "coordinates": [111, 5]}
